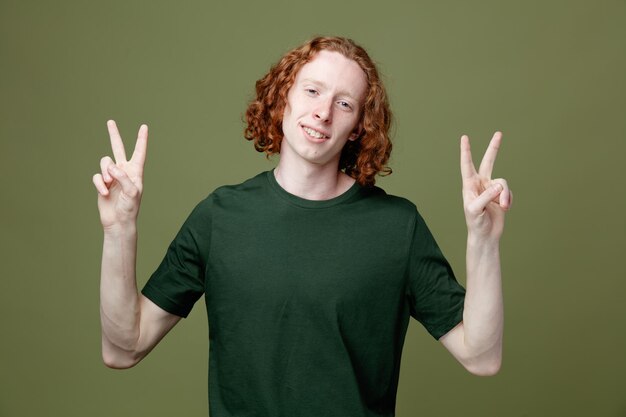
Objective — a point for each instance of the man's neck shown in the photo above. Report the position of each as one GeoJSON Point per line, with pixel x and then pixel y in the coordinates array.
{"type": "Point", "coordinates": [312, 182]}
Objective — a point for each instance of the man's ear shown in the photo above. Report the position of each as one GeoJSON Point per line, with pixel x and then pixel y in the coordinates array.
{"type": "Point", "coordinates": [355, 134]}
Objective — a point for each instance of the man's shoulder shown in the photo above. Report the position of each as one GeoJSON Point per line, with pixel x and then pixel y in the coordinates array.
{"type": "Point", "coordinates": [378, 198]}
{"type": "Point", "coordinates": [232, 197]}
{"type": "Point", "coordinates": [240, 193]}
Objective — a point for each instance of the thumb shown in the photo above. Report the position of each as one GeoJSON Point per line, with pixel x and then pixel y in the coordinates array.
{"type": "Point", "coordinates": [478, 206]}
{"type": "Point", "coordinates": [121, 177]}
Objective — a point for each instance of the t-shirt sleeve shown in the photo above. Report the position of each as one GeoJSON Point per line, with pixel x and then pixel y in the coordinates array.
{"type": "Point", "coordinates": [178, 282]}
{"type": "Point", "coordinates": [435, 297]}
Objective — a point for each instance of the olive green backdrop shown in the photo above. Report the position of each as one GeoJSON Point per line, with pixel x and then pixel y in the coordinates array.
{"type": "Point", "coordinates": [549, 74]}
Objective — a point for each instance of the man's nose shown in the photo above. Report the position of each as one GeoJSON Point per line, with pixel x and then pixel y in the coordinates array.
{"type": "Point", "coordinates": [323, 112]}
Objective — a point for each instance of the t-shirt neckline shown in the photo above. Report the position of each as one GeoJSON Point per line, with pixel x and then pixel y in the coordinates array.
{"type": "Point", "coordinates": [303, 202]}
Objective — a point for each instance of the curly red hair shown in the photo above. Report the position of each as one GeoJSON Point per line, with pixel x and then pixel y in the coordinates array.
{"type": "Point", "coordinates": [361, 159]}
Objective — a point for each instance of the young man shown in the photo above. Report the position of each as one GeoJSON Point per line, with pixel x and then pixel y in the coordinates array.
{"type": "Point", "coordinates": [310, 272]}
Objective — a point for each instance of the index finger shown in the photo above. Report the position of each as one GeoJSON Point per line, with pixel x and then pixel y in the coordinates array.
{"type": "Point", "coordinates": [116, 142]}
{"type": "Point", "coordinates": [486, 165]}
{"type": "Point", "coordinates": [467, 164]}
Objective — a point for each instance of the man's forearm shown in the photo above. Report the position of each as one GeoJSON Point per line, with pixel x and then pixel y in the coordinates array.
{"type": "Point", "coordinates": [483, 317]}
{"type": "Point", "coordinates": [119, 301]}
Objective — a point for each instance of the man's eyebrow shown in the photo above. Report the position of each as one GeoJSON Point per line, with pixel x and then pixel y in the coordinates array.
{"type": "Point", "coordinates": [325, 86]}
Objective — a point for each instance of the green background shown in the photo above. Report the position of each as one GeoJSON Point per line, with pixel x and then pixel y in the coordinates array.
{"type": "Point", "coordinates": [550, 75]}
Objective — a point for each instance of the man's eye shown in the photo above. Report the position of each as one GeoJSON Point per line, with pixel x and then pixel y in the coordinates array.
{"type": "Point", "coordinates": [311, 91]}
{"type": "Point", "coordinates": [345, 105]}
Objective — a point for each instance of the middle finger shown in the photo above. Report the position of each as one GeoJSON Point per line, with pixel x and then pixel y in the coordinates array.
{"type": "Point", "coordinates": [119, 153]}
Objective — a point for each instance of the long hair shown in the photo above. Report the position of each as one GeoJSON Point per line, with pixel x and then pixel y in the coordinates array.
{"type": "Point", "coordinates": [361, 159]}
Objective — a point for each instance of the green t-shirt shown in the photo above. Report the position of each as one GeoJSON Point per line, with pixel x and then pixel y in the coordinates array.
{"type": "Point", "coordinates": [308, 302]}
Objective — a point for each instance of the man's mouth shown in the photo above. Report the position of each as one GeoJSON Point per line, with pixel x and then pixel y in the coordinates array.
{"type": "Point", "coordinates": [314, 133]}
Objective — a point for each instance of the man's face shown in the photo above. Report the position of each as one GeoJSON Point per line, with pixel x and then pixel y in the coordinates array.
{"type": "Point", "coordinates": [323, 109]}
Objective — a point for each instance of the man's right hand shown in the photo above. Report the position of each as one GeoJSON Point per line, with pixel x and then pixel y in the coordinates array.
{"type": "Point", "coordinates": [120, 182]}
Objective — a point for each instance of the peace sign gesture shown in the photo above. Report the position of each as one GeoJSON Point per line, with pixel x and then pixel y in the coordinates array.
{"type": "Point", "coordinates": [120, 182]}
{"type": "Point", "coordinates": [485, 200]}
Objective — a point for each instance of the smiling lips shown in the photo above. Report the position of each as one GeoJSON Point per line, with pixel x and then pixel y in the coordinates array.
{"type": "Point", "coordinates": [314, 133]}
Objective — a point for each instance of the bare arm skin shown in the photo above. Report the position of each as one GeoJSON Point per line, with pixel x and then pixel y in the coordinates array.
{"type": "Point", "coordinates": [131, 324]}
{"type": "Point", "coordinates": [477, 341]}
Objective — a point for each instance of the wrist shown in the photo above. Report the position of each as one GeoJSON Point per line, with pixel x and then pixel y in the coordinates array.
{"type": "Point", "coordinates": [479, 241]}
{"type": "Point", "coordinates": [118, 230]}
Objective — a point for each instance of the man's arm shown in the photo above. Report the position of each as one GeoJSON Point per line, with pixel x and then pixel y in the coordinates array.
{"type": "Point", "coordinates": [477, 341]}
{"type": "Point", "coordinates": [131, 324]}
